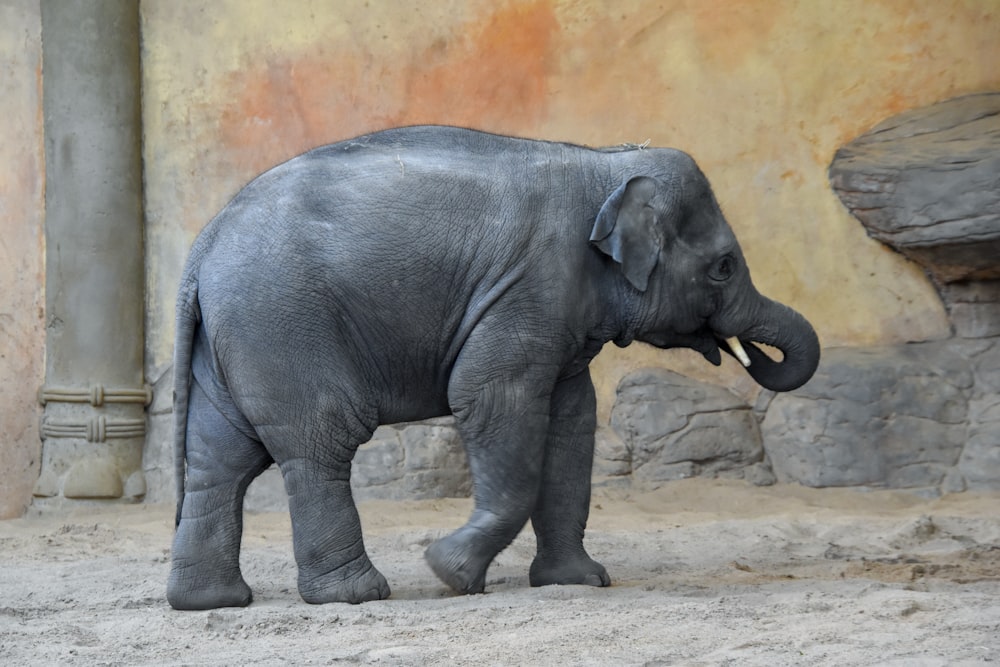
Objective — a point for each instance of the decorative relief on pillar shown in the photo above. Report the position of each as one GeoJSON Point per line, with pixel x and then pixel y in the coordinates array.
{"type": "Point", "coordinates": [96, 395]}
{"type": "Point", "coordinates": [93, 441]}
{"type": "Point", "coordinates": [97, 429]}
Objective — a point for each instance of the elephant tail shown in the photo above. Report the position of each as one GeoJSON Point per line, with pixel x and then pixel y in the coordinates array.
{"type": "Point", "coordinates": [188, 316]}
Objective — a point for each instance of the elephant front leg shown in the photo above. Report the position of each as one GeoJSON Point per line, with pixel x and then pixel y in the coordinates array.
{"type": "Point", "coordinates": [502, 424]}
{"type": "Point", "coordinates": [560, 516]}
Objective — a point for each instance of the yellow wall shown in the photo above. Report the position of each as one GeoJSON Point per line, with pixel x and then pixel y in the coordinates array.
{"type": "Point", "coordinates": [22, 334]}
{"type": "Point", "coordinates": [760, 92]}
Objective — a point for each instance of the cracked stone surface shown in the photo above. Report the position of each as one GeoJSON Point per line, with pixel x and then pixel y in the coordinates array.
{"type": "Point", "coordinates": [674, 427]}
{"type": "Point", "coordinates": [922, 416]}
{"type": "Point", "coordinates": [912, 416]}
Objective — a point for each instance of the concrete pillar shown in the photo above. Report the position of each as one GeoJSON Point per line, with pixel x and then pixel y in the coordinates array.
{"type": "Point", "coordinates": [94, 422]}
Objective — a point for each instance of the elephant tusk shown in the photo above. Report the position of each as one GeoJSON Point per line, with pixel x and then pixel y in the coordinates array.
{"type": "Point", "coordinates": [737, 348]}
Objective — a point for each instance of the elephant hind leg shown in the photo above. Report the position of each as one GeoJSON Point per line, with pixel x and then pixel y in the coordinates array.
{"type": "Point", "coordinates": [326, 532]}
{"type": "Point", "coordinates": [222, 460]}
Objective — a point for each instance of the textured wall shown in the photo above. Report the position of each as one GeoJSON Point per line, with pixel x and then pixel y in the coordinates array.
{"type": "Point", "coordinates": [22, 336]}
{"type": "Point", "coordinates": [760, 93]}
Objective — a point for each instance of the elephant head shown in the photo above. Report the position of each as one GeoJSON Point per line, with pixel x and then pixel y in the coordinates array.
{"type": "Point", "coordinates": [687, 282]}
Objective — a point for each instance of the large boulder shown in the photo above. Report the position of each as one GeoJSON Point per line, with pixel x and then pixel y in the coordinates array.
{"type": "Point", "coordinates": [413, 461]}
{"type": "Point", "coordinates": [672, 427]}
{"type": "Point", "coordinates": [893, 416]}
{"type": "Point", "coordinates": [408, 461]}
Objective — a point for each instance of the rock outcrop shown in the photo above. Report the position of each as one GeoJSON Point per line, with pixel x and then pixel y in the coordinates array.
{"type": "Point", "coordinates": [672, 427]}
{"type": "Point", "coordinates": [922, 416]}
{"type": "Point", "coordinates": [927, 184]}
{"type": "Point", "coordinates": [410, 461]}
{"type": "Point", "coordinates": [911, 416]}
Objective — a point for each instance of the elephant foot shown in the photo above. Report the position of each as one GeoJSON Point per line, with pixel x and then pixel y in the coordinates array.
{"type": "Point", "coordinates": [455, 563]}
{"type": "Point", "coordinates": [581, 569]}
{"type": "Point", "coordinates": [354, 583]}
{"type": "Point", "coordinates": [190, 592]}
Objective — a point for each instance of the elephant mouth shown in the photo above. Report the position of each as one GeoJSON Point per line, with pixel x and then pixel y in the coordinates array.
{"type": "Point", "coordinates": [712, 345]}
{"type": "Point", "coordinates": [706, 342]}
{"type": "Point", "coordinates": [793, 345]}
{"type": "Point", "coordinates": [792, 354]}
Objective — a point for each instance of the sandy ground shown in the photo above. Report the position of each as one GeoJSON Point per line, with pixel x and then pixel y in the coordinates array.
{"type": "Point", "coordinates": [705, 573]}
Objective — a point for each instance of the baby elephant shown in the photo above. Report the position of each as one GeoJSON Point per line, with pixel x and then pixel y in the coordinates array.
{"type": "Point", "coordinates": [426, 271]}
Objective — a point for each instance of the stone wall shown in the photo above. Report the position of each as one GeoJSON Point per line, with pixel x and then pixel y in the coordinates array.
{"type": "Point", "coordinates": [924, 417]}
{"type": "Point", "coordinates": [918, 416]}
{"type": "Point", "coordinates": [666, 426]}
{"type": "Point", "coordinates": [416, 461]}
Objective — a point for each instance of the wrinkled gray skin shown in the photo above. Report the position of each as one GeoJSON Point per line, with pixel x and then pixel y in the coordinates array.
{"type": "Point", "coordinates": [427, 271]}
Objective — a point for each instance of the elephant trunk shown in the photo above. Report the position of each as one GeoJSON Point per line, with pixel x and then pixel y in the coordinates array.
{"type": "Point", "coordinates": [781, 327]}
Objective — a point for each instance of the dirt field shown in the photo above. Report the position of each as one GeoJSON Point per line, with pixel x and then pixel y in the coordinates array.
{"type": "Point", "coordinates": [705, 573]}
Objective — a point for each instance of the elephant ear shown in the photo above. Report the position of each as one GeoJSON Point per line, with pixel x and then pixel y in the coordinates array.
{"type": "Point", "coordinates": [626, 231]}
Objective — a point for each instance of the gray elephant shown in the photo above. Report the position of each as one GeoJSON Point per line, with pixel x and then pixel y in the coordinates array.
{"type": "Point", "coordinates": [426, 271]}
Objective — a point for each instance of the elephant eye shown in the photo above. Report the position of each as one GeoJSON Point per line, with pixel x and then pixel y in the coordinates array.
{"type": "Point", "coordinates": [723, 269]}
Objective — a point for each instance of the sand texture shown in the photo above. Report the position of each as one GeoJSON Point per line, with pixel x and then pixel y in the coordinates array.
{"type": "Point", "coordinates": [705, 573]}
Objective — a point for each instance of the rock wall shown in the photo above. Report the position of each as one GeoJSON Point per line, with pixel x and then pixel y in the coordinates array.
{"type": "Point", "coordinates": [924, 417]}
{"type": "Point", "coordinates": [896, 416]}
{"type": "Point", "coordinates": [413, 461]}
{"type": "Point", "coordinates": [666, 426]}
{"type": "Point", "coordinates": [926, 183]}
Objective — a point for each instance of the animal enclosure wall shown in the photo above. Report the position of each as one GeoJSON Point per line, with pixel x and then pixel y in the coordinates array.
{"type": "Point", "coordinates": [760, 93]}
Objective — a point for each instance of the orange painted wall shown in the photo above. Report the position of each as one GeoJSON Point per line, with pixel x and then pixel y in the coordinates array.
{"type": "Point", "coordinates": [22, 253]}
{"type": "Point", "coordinates": [761, 93]}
